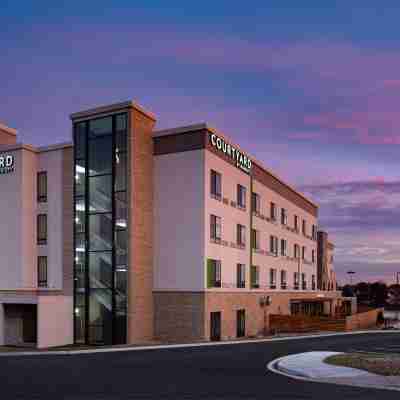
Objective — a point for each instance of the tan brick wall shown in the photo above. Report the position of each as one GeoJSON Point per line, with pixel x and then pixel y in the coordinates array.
{"type": "Point", "coordinates": [68, 219]}
{"type": "Point", "coordinates": [362, 320]}
{"type": "Point", "coordinates": [179, 315]}
{"type": "Point", "coordinates": [140, 276]}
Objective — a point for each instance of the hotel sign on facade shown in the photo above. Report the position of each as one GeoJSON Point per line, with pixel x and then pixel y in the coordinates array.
{"type": "Point", "coordinates": [6, 164]}
{"type": "Point", "coordinates": [241, 160]}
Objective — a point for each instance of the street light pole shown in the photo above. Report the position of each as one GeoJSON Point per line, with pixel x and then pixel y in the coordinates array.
{"type": "Point", "coordinates": [351, 273]}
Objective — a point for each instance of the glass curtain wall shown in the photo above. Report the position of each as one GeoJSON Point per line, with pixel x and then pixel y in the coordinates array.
{"type": "Point", "coordinates": [100, 284]}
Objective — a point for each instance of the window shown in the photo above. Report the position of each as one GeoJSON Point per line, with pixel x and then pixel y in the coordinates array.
{"type": "Point", "coordinates": [283, 247]}
{"type": "Point", "coordinates": [303, 253]}
{"type": "Point", "coordinates": [296, 280]}
{"type": "Point", "coordinates": [255, 203]}
{"type": "Point", "coordinates": [304, 227]}
{"type": "Point", "coordinates": [42, 271]}
{"type": "Point", "coordinates": [255, 277]}
{"type": "Point", "coordinates": [313, 256]}
{"type": "Point", "coordinates": [303, 281]}
{"type": "Point", "coordinates": [241, 196]}
{"type": "Point", "coordinates": [273, 211]}
{"type": "Point", "coordinates": [213, 273]}
{"type": "Point", "coordinates": [283, 279]}
{"type": "Point", "coordinates": [273, 245]}
{"type": "Point", "coordinates": [215, 227]}
{"type": "Point", "coordinates": [240, 235]}
{"type": "Point", "coordinates": [272, 278]}
{"type": "Point", "coordinates": [296, 251]}
{"type": "Point", "coordinates": [216, 185]}
{"type": "Point", "coordinates": [241, 276]}
{"type": "Point", "coordinates": [240, 323]}
{"type": "Point", "coordinates": [42, 187]}
{"type": "Point", "coordinates": [255, 239]}
{"type": "Point", "coordinates": [314, 232]}
{"type": "Point", "coordinates": [283, 216]}
{"type": "Point", "coordinates": [42, 229]}
{"type": "Point", "coordinates": [296, 223]}
{"type": "Point", "coordinates": [313, 286]}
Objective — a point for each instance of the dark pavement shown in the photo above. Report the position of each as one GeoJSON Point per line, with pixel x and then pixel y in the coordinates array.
{"type": "Point", "coordinates": [217, 372]}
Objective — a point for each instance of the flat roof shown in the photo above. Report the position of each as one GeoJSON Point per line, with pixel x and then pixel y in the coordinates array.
{"type": "Point", "coordinates": [203, 125]}
{"type": "Point", "coordinates": [111, 108]}
{"type": "Point", "coordinates": [24, 146]}
{"type": "Point", "coordinates": [8, 130]}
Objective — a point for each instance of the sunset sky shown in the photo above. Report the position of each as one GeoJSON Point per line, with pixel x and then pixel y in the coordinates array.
{"type": "Point", "coordinates": [312, 91]}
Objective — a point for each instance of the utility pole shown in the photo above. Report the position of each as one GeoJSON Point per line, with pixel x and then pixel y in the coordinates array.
{"type": "Point", "coordinates": [397, 278]}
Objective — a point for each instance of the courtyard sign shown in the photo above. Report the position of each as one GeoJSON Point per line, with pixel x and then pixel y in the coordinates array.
{"type": "Point", "coordinates": [6, 164]}
{"type": "Point", "coordinates": [240, 159]}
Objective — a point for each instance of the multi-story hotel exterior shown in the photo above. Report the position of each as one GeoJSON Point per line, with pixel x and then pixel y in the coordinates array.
{"type": "Point", "coordinates": [129, 234]}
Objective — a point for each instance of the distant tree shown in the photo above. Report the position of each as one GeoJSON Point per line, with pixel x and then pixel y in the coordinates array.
{"type": "Point", "coordinates": [379, 294]}
{"type": "Point", "coordinates": [393, 297]}
{"type": "Point", "coordinates": [347, 291]}
{"type": "Point", "coordinates": [363, 292]}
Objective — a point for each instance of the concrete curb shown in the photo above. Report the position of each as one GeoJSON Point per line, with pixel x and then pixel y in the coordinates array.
{"type": "Point", "coordinates": [274, 367]}
{"type": "Point", "coordinates": [183, 346]}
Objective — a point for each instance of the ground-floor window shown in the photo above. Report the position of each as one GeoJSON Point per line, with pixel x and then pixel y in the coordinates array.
{"type": "Point", "coordinates": [215, 326]}
{"type": "Point", "coordinates": [241, 323]}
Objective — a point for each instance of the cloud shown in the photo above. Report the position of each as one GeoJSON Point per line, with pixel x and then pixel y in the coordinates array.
{"type": "Point", "coordinates": [362, 218]}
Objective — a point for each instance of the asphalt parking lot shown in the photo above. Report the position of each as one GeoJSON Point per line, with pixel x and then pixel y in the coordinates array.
{"type": "Point", "coordinates": [216, 372]}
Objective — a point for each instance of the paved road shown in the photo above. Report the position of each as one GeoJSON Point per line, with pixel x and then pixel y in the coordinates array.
{"type": "Point", "coordinates": [217, 372]}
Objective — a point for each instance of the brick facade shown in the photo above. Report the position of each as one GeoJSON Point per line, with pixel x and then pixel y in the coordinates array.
{"type": "Point", "coordinates": [186, 315]}
{"type": "Point", "coordinates": [140, 276]}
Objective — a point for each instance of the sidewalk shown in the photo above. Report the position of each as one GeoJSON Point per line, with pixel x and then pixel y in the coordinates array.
{"type": "Point", "coordinates": [311, 367]}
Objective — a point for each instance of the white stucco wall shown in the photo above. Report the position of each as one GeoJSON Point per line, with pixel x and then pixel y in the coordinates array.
{"type": "Point", "coordinates": [230, 257]}
{"type": "Point", "coordinates": [230, 217]}
{"type": "Point", "coordinates": [266, 229]}
{"type": "Point", "coordinates": [54, 321]}
{"type": "Point", "coordinates": [179, 221]}
{"type": "Point", "coordinates": [18, 222]}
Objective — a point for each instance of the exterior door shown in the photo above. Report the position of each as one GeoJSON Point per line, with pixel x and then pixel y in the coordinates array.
{"type": "Point", "coordinates": [215, 326]}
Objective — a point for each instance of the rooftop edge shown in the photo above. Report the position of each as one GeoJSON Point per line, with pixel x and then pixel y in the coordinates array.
{"type": "Point", "coordinates": [203, 125]}
{"type": "Point", "coordinates": [111, 108]}
{"type": "Point", "coordinates": [8, 130]}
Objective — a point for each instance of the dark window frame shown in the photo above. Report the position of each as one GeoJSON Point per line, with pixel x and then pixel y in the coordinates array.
{"type": "Point", "coordinates": [42, 275]}
{"type": "Point", "coordinates": [240, 235]}
{"type": "Point", "coordinates": [255, 277]}
{"type": "Point", "coordinates": [215, 227]}
{"type": "Point", "coordinates": [41, 240]}
{"type": "Point", "coordinates": [41, 197]}
{"type": "Point", "coordinates": [240, 276]}
{"type": "Point", "coordinates": [241, 195]}
{"type": "Point", "coordinates": [255, 203]}
{"type": "Point", "coordinates": [215, 184]}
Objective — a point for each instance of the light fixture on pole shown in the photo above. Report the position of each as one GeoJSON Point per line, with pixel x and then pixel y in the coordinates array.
{"type": "Point", "coordinates": [351, 273]}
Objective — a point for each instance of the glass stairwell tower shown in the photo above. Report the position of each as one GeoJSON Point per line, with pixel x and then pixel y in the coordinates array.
{"type": "Point", "coordinates": [100, 234]}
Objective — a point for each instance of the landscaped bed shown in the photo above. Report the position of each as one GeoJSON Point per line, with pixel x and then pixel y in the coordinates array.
{"type": "Point", "coordinates": [376, 363]}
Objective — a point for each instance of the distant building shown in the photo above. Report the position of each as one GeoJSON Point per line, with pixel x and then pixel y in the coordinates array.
{"type": "Point", "coordinates": [326, 275]}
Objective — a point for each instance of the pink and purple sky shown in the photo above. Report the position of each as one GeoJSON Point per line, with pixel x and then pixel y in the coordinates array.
{"type": "Point", "coordinates": [312, 91]}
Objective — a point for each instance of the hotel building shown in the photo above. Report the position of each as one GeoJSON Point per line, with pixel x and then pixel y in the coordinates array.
{"type": "Point", "coordinates": [128, 234]}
